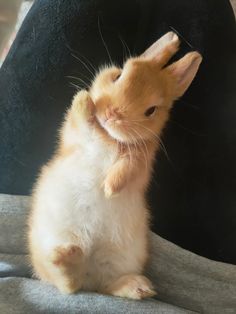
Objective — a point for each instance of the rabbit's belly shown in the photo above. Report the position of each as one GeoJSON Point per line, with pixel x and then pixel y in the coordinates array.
{"type": "Point", "coordinates": [106, 219]}
{"type": "Point", "coordinates": [114, 232]}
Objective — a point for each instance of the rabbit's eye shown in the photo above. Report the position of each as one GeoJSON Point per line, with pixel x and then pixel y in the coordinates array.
{"type": "Point", "coordinates": [150, 111]}
{"type": "Point", "coordinates": [117, 77]}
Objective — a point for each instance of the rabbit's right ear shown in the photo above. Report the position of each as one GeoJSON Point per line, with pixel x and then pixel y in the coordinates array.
{"type": "Point", "coordinates": [183, 72]}
{"type": "Point", "coordinates": [163, 49]}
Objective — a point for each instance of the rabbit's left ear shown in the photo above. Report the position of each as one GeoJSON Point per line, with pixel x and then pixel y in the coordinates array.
{"type": "Point", "coordinates": [163, 49]}
{"type": "Point", "coordinates": [169, 40]}
{"type": "Point", "coordinates": [183, 72]}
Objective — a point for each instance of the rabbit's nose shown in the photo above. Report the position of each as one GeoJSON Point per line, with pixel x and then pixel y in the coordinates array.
{"type": "Point", "coordinates": [112, 114]}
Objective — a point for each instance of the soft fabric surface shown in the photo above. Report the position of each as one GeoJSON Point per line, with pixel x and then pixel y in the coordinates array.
{"type": "Point", "coordinates": [193, 192]}
{"type": "Point", "coordinates": [185, 282]}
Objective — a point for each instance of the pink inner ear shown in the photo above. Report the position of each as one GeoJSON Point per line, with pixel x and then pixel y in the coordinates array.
{"type": "Point", "coordinates": [166, 40]}
{"type": "Point", "coordinates": [184, 71]}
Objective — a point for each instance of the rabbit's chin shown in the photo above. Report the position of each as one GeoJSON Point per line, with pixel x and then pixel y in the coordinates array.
{"type": "Point", "coordinates": [115, 133]}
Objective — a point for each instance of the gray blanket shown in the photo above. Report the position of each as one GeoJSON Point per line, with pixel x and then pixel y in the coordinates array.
{"type": "Point", "coordinates": [186, 283]}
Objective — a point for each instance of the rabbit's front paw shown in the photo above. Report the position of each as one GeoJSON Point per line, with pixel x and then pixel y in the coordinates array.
{"type": "Point", "coordinates": [110, 190]}
{"type": "Point", "coordinates": [84, 105]}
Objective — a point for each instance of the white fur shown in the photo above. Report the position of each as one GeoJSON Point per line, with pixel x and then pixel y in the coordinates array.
{"type": "Point", "coordinates": [70, 208]}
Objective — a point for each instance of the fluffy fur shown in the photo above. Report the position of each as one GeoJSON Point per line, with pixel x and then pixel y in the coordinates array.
{"type": "Point", "coordinates": [89, 221]}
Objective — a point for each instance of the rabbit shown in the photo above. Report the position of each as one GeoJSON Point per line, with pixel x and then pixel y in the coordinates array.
{"type": "Point", "coordinates": [89, 221]}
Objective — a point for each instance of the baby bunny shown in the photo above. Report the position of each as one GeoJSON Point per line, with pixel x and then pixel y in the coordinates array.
{"type": "Point", "coordinates": [89, 223]}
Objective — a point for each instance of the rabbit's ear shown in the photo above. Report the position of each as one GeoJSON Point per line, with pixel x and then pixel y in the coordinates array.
{"type": "Point", "coordinates": [163, 49]}
{"type": "Point", "coordinates": [183, 72]}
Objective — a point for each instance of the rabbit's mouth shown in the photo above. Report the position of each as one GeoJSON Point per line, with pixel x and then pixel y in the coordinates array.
{"type": "Point", "coordinates": [121, 132]}
{"type": "Point", "coordinates": [115, 128]}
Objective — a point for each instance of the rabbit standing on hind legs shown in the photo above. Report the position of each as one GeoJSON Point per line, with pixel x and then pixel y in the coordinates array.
{"type": "Point", "coordinates": [89, 223]}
